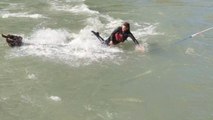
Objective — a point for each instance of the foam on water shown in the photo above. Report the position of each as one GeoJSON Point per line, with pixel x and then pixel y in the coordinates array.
{"type": "Point", "coordinates": [131, 100]}
{"type": "Point", "coordinates": [146, 29]}
{"type": "Point", "coordinates": [3, 99]}
{"type": "Point", "coordinates": [55, 98]}
{"type": "Point", "coordinates": [31, 76]}
{"type": "Point", "coordinates": [75, 49]}
{"type": "Point", "coordinates": [81, 8]}
{"type": "Point", "coordinates": [12, 6]}
{"type": "Point", "coordinates": [6, 12]}
{"type": "Point", "coordinates": [58, 44]}
{"type": "Point", "coordinates": [21, 15]}
{"type": "Point", "coordinates": [49, 36]}
{"type": "Point", "coordinates": [191, 51]}
{"type": "Point", "coordinates": [77, 9]}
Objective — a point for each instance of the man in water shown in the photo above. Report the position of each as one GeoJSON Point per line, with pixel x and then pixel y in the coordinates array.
{"type": "Point", "coordinates": [13, 40]}
{"type": "Point", "coordinates": [119, 35]}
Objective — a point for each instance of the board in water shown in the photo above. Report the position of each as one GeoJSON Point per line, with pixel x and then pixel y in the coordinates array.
{"type": "Point", "coordinates": [99, 37]}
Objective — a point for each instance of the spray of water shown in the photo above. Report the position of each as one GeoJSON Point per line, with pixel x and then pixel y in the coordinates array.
{"type": "Point", "coordinates": [80, 48]}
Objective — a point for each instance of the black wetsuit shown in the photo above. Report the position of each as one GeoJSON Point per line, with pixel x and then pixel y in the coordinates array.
{"type": "Point", "coordinates": [118, 36]}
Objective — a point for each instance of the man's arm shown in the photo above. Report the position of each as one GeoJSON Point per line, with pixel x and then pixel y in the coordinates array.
{"type": "Point", "coordinates": [138, 47]}
{"type": "Point", "coordinates": [133, 38]}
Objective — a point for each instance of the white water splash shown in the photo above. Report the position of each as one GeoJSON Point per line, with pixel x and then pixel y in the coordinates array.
{"type": "Point", "coordinates": [49, 36]}
{"type": "Point", "coordinates": [76, 49]}
{"type": "Point", "coordinates": [55, 98]}
{"type": "Point", "coordinates": [146, 29]}
{"type": "Point", "coordinates": [60, 45]}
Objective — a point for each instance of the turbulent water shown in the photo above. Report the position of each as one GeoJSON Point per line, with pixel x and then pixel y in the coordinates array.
{"type": "Point", "coordinates": [64, 73]}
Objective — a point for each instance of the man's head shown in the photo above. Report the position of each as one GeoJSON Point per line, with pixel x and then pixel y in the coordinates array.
{"type": "Point", "coordinates": [125, 26]}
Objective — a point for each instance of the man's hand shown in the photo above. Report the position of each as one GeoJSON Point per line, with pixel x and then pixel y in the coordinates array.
{"type": "Point", "coordinates": [140, 48]}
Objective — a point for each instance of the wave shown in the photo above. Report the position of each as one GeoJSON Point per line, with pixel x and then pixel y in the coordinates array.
{"type": "Point", "coordinates": [80, 8]}
{"type": "Point", "coordinates": [11, 6]}
{"type": "Point", "coordinates": [21, 15]}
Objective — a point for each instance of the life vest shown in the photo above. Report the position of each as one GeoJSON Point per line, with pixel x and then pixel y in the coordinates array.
{"type": "Point", "coordinates": [119, 37]}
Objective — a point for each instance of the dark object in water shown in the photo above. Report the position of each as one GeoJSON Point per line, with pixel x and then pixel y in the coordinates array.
{"type": "Point", "coordinates": [99, 37]}
{"type": "Point", "coordinates": [13, 40]}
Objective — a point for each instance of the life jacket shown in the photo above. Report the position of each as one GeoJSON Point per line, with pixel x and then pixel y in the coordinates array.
{"type": "Point", "coordinates": [119, 37]}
